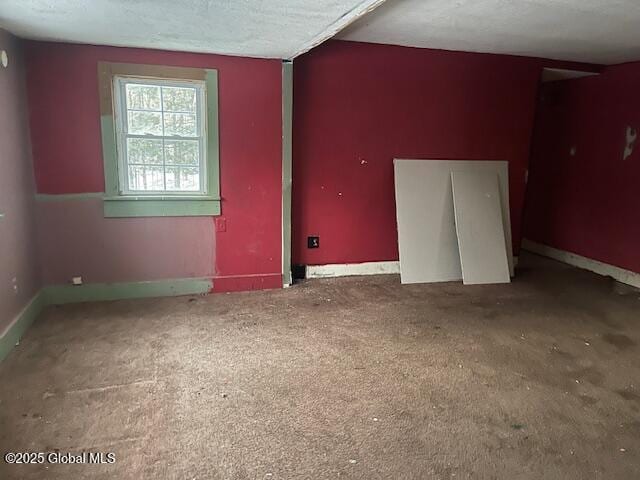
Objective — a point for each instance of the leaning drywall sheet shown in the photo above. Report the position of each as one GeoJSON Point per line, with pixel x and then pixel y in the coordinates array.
{"type": "Point", "coordinates": [478, 215]}
{"type": "Point", "coordinates": [427, 240]}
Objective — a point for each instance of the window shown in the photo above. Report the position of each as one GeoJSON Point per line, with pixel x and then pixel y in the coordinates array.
{"type": "Point", "coordinates": [160, 140]}
{"type": "Point", "coordinates": [161, 136]}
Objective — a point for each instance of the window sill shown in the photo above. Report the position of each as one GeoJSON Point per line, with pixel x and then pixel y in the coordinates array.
{"type": "Point", "coordinates": [161, 206]}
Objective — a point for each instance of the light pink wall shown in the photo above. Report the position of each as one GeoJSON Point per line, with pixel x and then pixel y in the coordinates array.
{"type": "Point", "coordinates": [77, 240]}
{"type": "Point", "coordinates": [18, 252]}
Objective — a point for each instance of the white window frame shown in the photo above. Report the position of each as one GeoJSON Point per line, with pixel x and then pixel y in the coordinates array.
{"type": "Point", "coordinates": [121, 124]}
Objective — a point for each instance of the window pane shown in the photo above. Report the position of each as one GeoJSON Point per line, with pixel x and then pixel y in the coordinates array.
{"type": "Point", "coordinates": [143, 97]}
{"type": "Point", "coordinates": [166, 117]}
{"type": "Point", "coordinates": [183, 178]}
{"type": "Point", "coordinates": [176, 99]}
{"type": "Point", "coordinates": [142, 150]}
{"type": "Point", "coordinates": [146, 178]}
{"type": "Point", "coordinates": [181, 124]}
{"type": "Point", "coordinates": [144, 123]}
{"type": "Point", "coordinates": [182, 152]}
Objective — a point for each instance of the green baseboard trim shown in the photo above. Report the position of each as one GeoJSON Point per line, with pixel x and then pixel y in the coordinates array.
{"type": "Point", "coordinates": [96, 292]}
{"type": "Point", "coordinates": [20, 324]}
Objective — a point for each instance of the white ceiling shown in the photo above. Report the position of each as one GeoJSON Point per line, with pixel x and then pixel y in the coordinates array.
{"type": "Point", "coordinates": [596, 31]}
{"type": "Point", "coordinates": [253, 28]}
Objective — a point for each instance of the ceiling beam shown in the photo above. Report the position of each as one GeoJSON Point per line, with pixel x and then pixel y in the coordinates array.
{"type": "Point", "coordinates": [338, 25]}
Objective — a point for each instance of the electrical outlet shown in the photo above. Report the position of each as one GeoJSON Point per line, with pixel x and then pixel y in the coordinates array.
{"type": "Point", "coordinates": [76, 280]}
{"type": "Point", "coordinates": [313, 242]}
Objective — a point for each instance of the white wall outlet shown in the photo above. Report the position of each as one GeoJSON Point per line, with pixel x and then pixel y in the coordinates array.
{"type": "Point", "coordinates": [14, 284]}
{"type": "Point", "coordinates": [76, 280]}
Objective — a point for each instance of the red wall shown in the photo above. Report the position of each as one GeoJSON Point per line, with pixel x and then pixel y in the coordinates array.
{"type": "Point", "coordinates": [65, 131]}
{"type": "Point", "coordinates": [587, 203]}
{"type": "Point", "coordinates": [357, 106]}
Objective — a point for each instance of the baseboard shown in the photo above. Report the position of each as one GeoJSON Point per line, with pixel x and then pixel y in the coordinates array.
{"type": "Point", "coordinates": [620, 274]}
{"type": "Point", "coordinates": [351, 269]}
{"type": "Point", "coordinates": [96, 292]}
{"type": "Point", "coordinates": [14, 331]}
{"type": "Point", "coordinates": [243, 283]}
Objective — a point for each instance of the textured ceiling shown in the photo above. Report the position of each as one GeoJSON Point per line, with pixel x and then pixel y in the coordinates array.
{"type": "Point", "coordinates": [594, 31]}
{"type": "Point", "coordinates": [253, 28]}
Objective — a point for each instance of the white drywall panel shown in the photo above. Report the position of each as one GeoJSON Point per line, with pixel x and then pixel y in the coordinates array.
{"type": "Point", "coordinates": [479, 227]}
{"type": "Point", "coordinates": [427, 239]}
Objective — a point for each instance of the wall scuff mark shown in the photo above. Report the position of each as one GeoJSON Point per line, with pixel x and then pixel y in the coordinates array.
{"type": "Point", "coordinates": [631, 136]}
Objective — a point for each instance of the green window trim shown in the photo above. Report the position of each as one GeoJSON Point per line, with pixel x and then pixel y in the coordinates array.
{"type": "Point", "coordinates": [164, 205]}
{"type": "Point", "coordinates": [160, 207]}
